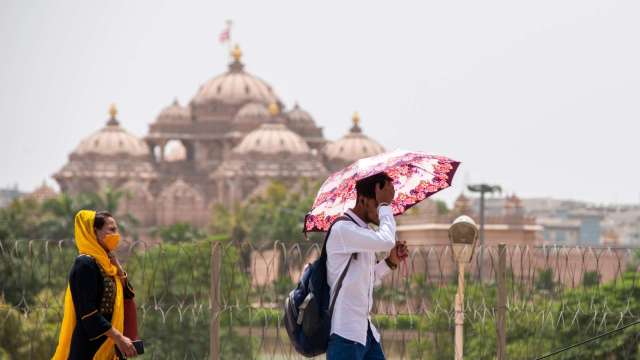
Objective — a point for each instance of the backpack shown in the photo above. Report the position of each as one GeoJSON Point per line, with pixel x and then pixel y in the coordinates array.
{"type": "Point", "coordinates": [307, 312]}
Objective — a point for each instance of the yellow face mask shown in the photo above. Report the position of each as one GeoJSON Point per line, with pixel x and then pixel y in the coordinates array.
{"type": "Point", "coordinates": [111, 241]}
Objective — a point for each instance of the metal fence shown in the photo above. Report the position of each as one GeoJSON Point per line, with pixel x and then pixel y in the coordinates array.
{"type": "Point", "coordinates": [555, 296]}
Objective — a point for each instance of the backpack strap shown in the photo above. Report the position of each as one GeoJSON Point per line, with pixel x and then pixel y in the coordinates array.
{"type": "Point", "coordinates": [339, 284]}
{"type": "Point", "coordinates": [345, 217]}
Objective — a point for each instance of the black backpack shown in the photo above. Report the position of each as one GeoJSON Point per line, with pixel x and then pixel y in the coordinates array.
{"type": "Point", "coordinates": [307, 312]}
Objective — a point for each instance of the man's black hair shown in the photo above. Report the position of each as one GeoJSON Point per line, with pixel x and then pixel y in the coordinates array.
{"type": "Point", "coordinates": [367, 187]}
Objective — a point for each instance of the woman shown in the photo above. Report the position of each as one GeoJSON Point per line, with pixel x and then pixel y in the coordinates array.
{"type": "Point", "coordinates": [94, 302]}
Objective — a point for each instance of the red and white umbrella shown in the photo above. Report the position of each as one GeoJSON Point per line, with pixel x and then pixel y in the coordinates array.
{"type": "Point", "coordinates": [416, 176]}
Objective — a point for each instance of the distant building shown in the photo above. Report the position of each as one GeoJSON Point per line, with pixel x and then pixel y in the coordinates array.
{"type": "Point", "coordinates": [590, 229]}
{"type": "Point", "coordinates": [564, 222]}
{"type": "Point", "coordinates": [232, 139]}
{"type": "Point", "coordinates": [7, 195]}
{"type": "Point", "coordinates": [426, 226]}
{"type": "Point", "coordinates": [42, 193]}
{"type": "Point", "coordinates": [622, 224]}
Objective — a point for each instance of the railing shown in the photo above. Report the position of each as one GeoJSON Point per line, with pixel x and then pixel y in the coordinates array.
{"type": "Point", "coordinates": [556, 296]}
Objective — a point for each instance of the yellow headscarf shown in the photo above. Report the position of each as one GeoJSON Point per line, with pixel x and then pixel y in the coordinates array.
{"type": "Point", "coordinates": [88, 244]}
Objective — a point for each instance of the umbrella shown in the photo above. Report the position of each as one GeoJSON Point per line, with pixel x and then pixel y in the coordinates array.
{"type": "Point", "coordinates": [416, 176]}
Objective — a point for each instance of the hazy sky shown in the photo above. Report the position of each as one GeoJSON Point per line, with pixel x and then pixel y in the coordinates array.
{"type": "Point", "coordinates": [542, 97]}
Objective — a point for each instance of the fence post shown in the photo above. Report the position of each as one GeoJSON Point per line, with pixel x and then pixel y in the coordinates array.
{"type": "Point", "coordinates": [501, 318]}
{"type": "Point", "coordinates": [214, 331]}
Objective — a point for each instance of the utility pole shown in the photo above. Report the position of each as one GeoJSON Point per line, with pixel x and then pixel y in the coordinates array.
{"type": "Point", "coordinates": [482, 189]}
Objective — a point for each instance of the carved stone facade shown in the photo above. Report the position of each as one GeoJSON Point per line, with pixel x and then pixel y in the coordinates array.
{"type": "Point", "coordinates": [227, 144]}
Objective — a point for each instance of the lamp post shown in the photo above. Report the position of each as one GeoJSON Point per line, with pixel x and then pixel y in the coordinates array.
{"type": "Point", "coordinates": [482, 189]}
{"type": "Point", "coordinates": [463, 236]}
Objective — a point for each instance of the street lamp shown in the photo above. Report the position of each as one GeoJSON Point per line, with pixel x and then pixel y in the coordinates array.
{"type": "Point", "coordinates": [463, 235]}
{"type": "Point", "coordinates": [482, 189]}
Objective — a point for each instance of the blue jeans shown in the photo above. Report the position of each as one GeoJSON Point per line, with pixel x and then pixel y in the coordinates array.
{"type": "Point", "coordinates": [344, 349]}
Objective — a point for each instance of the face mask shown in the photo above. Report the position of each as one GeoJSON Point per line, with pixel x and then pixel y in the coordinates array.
{"type": "Point", "coordinates": [111, 241]}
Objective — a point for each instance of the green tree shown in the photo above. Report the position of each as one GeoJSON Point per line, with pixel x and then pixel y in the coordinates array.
{"type": "Point", "coordinates": [175, 278]}
{"type": "Point", "coordinates": [590, 279]}
{"type": "Point", "coordinates": [58, 215]}
{"type": "Point", "coordinates": [20, 219]}
{"type": "Point", "coordinates": [545, 280]}
{"type": "Point", "coordinates": [109, 199]}
{"type": "Point", "coordinates": [179, 232]}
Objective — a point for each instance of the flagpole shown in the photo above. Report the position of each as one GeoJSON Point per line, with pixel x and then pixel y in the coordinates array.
{"type": "Point", "coordinates": [229, 46]}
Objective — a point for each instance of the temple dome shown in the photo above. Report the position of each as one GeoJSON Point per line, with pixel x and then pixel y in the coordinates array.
{"type": "Point", "coordinates": [174, 113]}
{"type": "Point", "coordinates": [353, 146]}
{"type": "Point", "coordinates": [299, 117]}
{"type": "Point", "coordinates": [251, 116]}
{"type": "Point", "coordinates": [112, 140]}
{"type": "Point", "coordinates": [272, 138]}
{"type": "Point", "coordinates": [236, 86]}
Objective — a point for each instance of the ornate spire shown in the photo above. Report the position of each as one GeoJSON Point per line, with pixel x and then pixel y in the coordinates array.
{"type": "Point", "coordinates": [274, 109]}
{"type": "Point", "coordinates": [236, 53]}
{"type": "Point", "coordinates": [356, 123]}
{"type": "Point", "coordinates": [236, 64]}
{"type": "Point", "coordinates": [113, 111]}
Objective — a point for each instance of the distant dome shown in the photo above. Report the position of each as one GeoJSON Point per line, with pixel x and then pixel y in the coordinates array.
{"type": "Point", "coordinates": [43, 192]}
{"type": "Point", "coordinates": [108, 157]}
{"type": "Point", "coordinates": [299, 117]}
{"type": "Point", "coordinates": [251, 116]}
{"type": "Point", "coordinates": [236, 86]}
{"type": "Point", "coordinates": [174, 113]}
{"type": "Point", "coordinates": [112, 140]}
{"type": "Point", "coordinates": [272, 138]}
{"type": "Point", "coordinates": [353, 146]}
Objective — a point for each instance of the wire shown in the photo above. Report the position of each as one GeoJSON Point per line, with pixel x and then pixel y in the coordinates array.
{"type": "Point", "coordinates": [589, 340]}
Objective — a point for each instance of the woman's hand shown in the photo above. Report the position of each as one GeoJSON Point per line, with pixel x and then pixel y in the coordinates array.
{"type": "Point", "coordinates": [124, 344]}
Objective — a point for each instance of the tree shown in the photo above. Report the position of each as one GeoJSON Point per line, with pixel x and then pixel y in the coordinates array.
{"type": "Point", "coordinates": [545, 280]}
{"type": "Point", "coordinates": [275, 215]}
{"type": "Point", "coordinates": [20, 220]}
{"type": "Point", "coordinates": [108, 199]}
{"type": "Point", "coordinates": [179, 232]}
{"type": "Point", "coordinates": [590, 279]}
{"type": "Point", "coordinates": [58, 216]}
{"type": "Point", "coordinates": [176, 279]}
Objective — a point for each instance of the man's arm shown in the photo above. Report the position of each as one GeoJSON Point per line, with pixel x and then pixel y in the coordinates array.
{"type": "Point", "coordinates": [380, 270]}
{"type": "Point", "coordinates": [356, 239]}
{"type": "Point", "coordinates": [384, 267]}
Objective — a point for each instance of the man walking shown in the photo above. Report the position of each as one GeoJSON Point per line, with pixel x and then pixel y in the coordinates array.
{"type": "Point", "coordinates": [353, 336]}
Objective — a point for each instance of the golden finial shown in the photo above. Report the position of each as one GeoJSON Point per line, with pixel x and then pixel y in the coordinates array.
{"type": "Point", "coordinates": [236, 53]}
{"type": "Point", "coordinates": [113, 111]}
{"type": "Point", "coordinates": [356, 119]}
{"type": "Point", "coordinates": [274, 109]}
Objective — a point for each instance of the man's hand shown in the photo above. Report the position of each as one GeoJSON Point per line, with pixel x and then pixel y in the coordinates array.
{"type": "Point", "coordinates": [385, 194]}
{"type": "Point", "coordinates": [399, 252]}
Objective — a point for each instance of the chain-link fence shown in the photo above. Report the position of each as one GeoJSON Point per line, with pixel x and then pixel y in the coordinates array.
{"type": "Point", "coordinates": [556, 296]}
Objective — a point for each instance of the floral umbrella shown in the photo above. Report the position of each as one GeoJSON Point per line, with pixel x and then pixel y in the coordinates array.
{"type": "Point", "coordinates": [416, 176]}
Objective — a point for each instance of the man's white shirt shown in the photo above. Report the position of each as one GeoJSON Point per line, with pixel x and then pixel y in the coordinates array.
{"type": "Point", "coordinates": [351, 312]}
